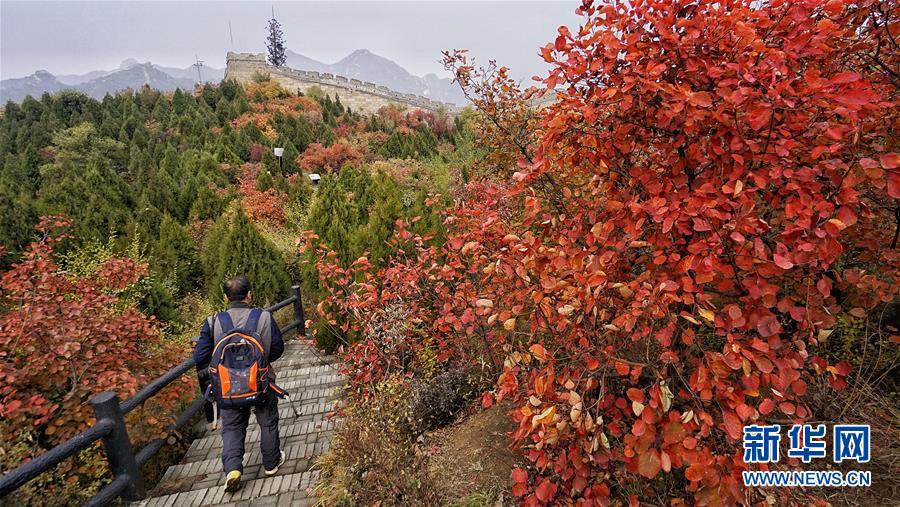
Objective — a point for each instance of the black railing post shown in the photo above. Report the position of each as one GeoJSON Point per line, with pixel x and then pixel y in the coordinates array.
{"type": "Point", "coordinates": [118, 446]}
{"type": "Point", "coordinates": [298, 311]}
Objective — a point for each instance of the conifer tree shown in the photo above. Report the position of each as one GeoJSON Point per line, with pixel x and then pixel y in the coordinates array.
{"type": "Point", "coordinates": [384, 195]}
{"type": "Point", "coordinates": [17, 219]}
{"type": "Point", "coordinates": [275, 42]}
{"type": "Point", "coordinates": [82, 184]}
{"type": "Point", "coordinates": [175, 256]}
{"type": "Point", "coordinates": [235, 247]}
{"type": "Point", "coordinates": [264, 179]}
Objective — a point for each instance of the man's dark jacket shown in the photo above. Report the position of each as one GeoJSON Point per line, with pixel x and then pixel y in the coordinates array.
{"type": "Point", "coordinates": [267, 329]}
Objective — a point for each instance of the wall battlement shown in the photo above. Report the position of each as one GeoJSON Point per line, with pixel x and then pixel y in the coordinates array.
{"type": "Point", "coordinates": [359, 95]}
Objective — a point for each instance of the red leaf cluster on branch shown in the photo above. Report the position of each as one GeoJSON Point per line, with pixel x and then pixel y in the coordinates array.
{"type": "Point", "coordinates": [265, 206]}
{"type": "Point", "coordinates": [317, 157]}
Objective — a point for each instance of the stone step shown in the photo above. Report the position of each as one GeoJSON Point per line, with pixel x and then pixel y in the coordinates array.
{"type": "Point", "coordinates": [300, 388]}
{"type": "Point", "coordinates": [306, 402]}
{"type": "Point", "coordinates": [291, 359]}
{"type": "Point", "coordinates": [287, 489]}
{"type": "Point", "coordinates": [304, 432]}
{"type": "Point", "coordinates": [282, 374]}
{"type": "Point", "coordinates": [184, 476]}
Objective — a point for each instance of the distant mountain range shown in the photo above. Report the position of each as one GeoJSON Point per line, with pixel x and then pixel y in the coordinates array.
{"type": "Point", "coordinates": [97, 83]}
{"type": "Point", "coordinates": [361, 64]}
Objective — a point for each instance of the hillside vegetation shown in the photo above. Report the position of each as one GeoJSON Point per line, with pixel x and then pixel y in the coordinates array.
{"type": "Point", "coordinates": [122, 217]}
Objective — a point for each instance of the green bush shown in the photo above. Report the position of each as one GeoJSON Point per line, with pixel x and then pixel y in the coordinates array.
{"type": "Point", "coordinates": [235, 247]}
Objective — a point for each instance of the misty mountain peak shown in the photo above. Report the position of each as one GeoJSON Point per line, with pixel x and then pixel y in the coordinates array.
{"type": "Point", "coordinates": [127, 64]}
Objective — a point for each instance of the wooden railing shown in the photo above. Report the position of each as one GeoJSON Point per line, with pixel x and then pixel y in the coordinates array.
{"type": "Point", "coordinates": [110, 428]}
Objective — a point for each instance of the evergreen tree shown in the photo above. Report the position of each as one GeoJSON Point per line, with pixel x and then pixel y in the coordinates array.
{"type": "Point", "coordinates": [275, 42]}
{"type": "Point", "coordinates": [17, 220]}
{"type": "Point", "coordinates": [235, 247]}
{"type": "Point", "coordinates": [82, 184]}
{"type": "Point", "coordinates": [207, 205]}
{"type": "Point", "coordinates": [386, 207]}
{"type": "Point", "coordinates": [175, 256]}
{"type": "Point", "coordinates": [264, 179]}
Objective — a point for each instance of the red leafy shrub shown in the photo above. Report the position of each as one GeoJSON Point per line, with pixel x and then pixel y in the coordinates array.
{"type": "Point", "coordinates": [261, 206]}
{"type": "Point", "coordinates": [319, 158]}
{"type": "Point", "coordinates": [62, 340]}
{"type": "Point", "coordinates": [261, 114]}
{"type": "Point", "coordinates": [257, 151]}
{"type": "Point", "coordinates": [393, 117]}
{"type": "Point", "coordinates": [712, 191]}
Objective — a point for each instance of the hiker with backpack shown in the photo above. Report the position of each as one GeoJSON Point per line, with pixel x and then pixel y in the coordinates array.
{"type": "Point", "coordinates": [239, 345]}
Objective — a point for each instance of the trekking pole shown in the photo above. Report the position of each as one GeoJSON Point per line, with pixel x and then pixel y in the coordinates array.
{"type": "Point", "coordinates": [291, 404]}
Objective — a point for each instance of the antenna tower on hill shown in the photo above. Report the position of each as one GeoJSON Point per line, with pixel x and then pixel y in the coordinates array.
{"type": "Point", "coordinates": [198, 65]}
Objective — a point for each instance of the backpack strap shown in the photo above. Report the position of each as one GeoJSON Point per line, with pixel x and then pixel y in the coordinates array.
{"type": "Point", "coordinates": [225, 322]}
{"type": "Point", "coordinates": [253, 319]}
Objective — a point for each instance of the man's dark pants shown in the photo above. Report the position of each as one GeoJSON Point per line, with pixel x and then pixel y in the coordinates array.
{"type": "Point", "coordinates": [234, 432]}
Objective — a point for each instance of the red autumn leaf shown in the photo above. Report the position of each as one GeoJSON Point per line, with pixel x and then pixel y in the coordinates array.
{"type": "Point", "coordinates": [690, 443]}
{"type": "Point", "coordinates": [540, 353]}
{"type": "Point", "coordinates": [694, 473]}
{"type": "Point", "coordinates": [744, 411]}
{"type": "Point", "coordinates": [635, 395]}
{"type": "Point", "coordinates": [545, 491]}
{"type": "Point", "coordinates": [890, 160]}
{"type": "Point", "coordinates": [519, 489]}
{"type": "Point", "coordinates": [836, 133]}
{"type": "Point", "coordinates": [674, 432]}
{"type": "Point", "coordinates": [782, 261]}
{"type": "Point", "coordinates": [519, 475]}
{"type": "Point", "coordinates": [845, 77]}
{"type": "Point", "coordinates": [893, 185]}
{"type": "Point", "coordinates": [487, 400]}
{"type": "Point", "coordinates": [855, 97]}
{"type": "Point", "coordinates": [760, 117]}
{"type": "Point", "coordinates": [732, 425]}
{"type": "Point", "coordinates": [702, 99]}
{"type": "Point", "coordinates": [843, 368]}
{"type": "Point", "coordinates": [649, 463]}
{"type": "Point", "coordinates": [768, 326]}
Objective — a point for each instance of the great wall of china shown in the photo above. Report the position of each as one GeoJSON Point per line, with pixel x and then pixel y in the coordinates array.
{"type": "Point", "coordinates": [360, 96]}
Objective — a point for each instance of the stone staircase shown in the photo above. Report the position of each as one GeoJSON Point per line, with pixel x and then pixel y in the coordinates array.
{"type": "Point", "coordinates": [314, 384]}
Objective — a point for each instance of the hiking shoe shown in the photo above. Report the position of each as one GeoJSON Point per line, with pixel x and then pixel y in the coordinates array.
{"type": "Point", "coordinates": [232, 481]}
{"type": "Point", "coordinates": [270, 473]}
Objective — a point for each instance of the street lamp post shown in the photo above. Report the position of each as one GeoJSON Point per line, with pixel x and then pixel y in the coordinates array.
{"type": "Point", "coordinates": [279, 152]}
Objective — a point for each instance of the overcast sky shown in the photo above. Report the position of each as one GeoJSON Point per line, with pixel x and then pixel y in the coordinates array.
{"type": "Point", "coordinates": [76, 37]}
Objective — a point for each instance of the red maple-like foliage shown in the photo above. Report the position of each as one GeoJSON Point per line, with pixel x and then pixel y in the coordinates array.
{"type": "Point", "coordinates": [65, 339]}
{"type": "Point", "coordinates": [713, 188]}
{"type": "Point", "coordinates": [317, 157]}
{"type": "Point", "coordinates": [265, 206]}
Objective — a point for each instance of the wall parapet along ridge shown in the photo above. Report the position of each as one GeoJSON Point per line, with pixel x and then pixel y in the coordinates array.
{"type": "Point", "coordinates": [359, 95]}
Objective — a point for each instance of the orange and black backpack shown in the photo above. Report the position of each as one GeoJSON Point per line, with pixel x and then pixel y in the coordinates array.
{"type": "Point", "coordinates": [239, 370]}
